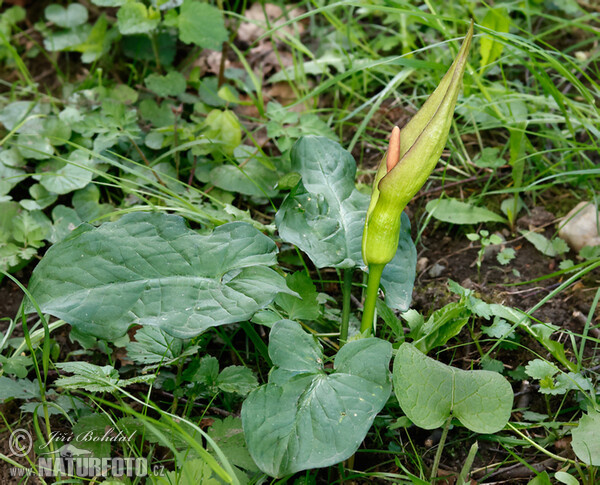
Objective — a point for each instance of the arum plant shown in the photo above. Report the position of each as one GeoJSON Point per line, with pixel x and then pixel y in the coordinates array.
{"type": "Point", "coordinates": [157, 272]}
{"type": "Point", "coordinates": [412, 155]}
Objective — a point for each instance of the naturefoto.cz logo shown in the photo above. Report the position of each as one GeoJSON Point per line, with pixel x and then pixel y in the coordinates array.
{"type": "Point", "coordinates": [73, 460]}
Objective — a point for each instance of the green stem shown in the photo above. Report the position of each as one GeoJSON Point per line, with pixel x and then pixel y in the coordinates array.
{"type": "Point", "coordinates": [438, 454]}
{"type": "Point", "coordinates": [375, 271]}
{"type": "Point", "coordinates": [586, 329]}
{"type": "Point", "coordinates": [540, 448]}
{"type": "Point", "coordinates": [346, 293]}
{"type": "Point", "coordinates": [154, 44]}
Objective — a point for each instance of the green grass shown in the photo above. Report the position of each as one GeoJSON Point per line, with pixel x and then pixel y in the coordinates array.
{"type": "Point", "coordinates": [356, 70]}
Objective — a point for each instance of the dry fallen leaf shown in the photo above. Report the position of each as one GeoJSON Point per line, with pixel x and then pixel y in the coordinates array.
{"type": "Point", "coordinates": [256, 25]}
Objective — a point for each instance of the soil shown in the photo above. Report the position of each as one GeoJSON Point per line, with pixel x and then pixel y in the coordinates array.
{"type": "Point", "coordinates": [444, 253]}
{"type": "Point", "coordinates": [446, 246]}
{"type": "Point", "coordinates": [458, 257]}
{"type": "Point", "coordinates": [10, 298]}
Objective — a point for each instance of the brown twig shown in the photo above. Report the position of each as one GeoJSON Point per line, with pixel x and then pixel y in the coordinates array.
{"type": "Point", "coordinates": [515, 471]}
{"type": "Point", "coordinates": [193, 171]}
{"type": "Point", "coordinates": [146, 161]}
{"type": "Point", "coordinates": [451, 184]}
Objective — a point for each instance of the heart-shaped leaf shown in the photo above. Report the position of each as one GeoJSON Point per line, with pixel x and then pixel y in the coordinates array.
{"type": "Point", "coordinates": [305, 418]}
{"type": "Point", "coordinates": [324, 216]}
{"type": "Point", "coordinates": [150, 269]}
{"type": "Point", "coordinates": [72, 16]}
{"type": "Point", "coordinates": [429, 392]}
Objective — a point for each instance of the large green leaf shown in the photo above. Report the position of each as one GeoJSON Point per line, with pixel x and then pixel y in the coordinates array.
{"type": "Point", "coordinates": [586, 444]}
{"type": "Point", "coordinates": [150, 269]}
{"type": "Point", "coordinates": [305, 418]}
{"type": "Point", "coordinates": [429, 392]}
{"type": "Point", "coordinates": [398, 276]}
{"type": "Point", "coordinates": [324, 216]}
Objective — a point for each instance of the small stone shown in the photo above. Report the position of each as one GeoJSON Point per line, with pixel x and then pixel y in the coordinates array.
{"type": "Point", "coordinates": [581, 226]}
{"type": "Point", "coordinates": [468, 284]}
{"type": "Point", "coordinates": [422, 264]}
{"type": "Point", "coordinates": [436, 270]}
{"type": "Point", "coordinates": [537, 217]}
{"type": "Point", "coordinates": [492, 250]}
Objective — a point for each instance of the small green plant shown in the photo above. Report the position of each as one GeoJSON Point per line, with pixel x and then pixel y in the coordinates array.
{"type": "Point", "coordinates": [486, 240]}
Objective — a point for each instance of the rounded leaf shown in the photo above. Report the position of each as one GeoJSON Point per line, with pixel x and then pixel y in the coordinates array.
{"type": "Point", "coordinates": [430, 391]}
{"type": "Point", "coordinates": [586, 444]}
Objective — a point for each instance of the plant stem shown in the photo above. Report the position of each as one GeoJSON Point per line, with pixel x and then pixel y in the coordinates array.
{"type": "Point", "coordinates": [346, 294]}
{"type": "Point", "coordinates": [346, 297]}
{"type": "Point", "coordinates": [438, 453]}
{"type": "Point", "coordinates": [540, 448]}
{"type": "Point", "coordinates": [375, 271]}
{"type": "Point", "coordinates": [586, 329]}
{"type": "Point", "coordinates": [154, 43]}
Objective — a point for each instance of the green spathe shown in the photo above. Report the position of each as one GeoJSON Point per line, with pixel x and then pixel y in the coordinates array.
{"type": "Point", "coordinates": [411, 158]}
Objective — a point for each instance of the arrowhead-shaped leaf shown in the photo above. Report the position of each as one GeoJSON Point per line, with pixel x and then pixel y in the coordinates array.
{"type": "Point", "coordinates": [324, 217]}
{"type": "Point", "coordinates": [150, 269]}
{"type": "Point", "coordinates": [398, 276]}
{"type": "Point", "coordinates": [304, 418]}
{"type": "Point", "coordinates": [429, 392]}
